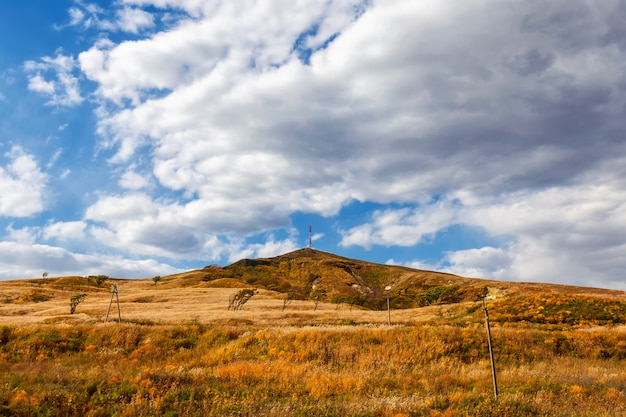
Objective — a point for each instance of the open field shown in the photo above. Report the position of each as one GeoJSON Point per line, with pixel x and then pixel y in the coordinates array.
{"type": "Point", "coordinates": [141, 301]}
{"type": "Point", "coordinates": [179, 351]}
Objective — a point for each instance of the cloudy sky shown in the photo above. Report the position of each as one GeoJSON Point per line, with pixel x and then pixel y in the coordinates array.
{"type": "Point", "coordinates": [485, 138]}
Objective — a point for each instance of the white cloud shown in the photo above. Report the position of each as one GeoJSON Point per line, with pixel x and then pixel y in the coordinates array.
{"type": "Point", "coordinates": [26, 260]}
{"type": "Point", "coordinates": [55, 157]}
{"type": "Point", "coordinates": [131, 180]}
{"type": "Point", "coordinates": [65, 173]}
{"type": "Point", "coordinates": [401, 227]}
{"type": "Point", "coordinates": [22, 185]}
{"type": "Point", "coordinates": [483, 262]}
{"type": "Point", "coordinates": [76, 16]}
{"type": "Point", "coordinates": [415, 264]}
{"type": "Point", "coordinates": [126, 19]}
{"type": "Point", "coordinates": [39, 85]}
{"type": "Point", "coordinates": [65, 231]}
{"type": "Point", "coordinates": [135, 223]}
{"type": "Point", "coordinates": [63, 89]}
{"type": "Point", "coordinates": [267, 249]}
{"type": "Point", "coordinates": [24, 235]}
{"type": "Point", "coordinates": [134, 20]}
{"type": "Point", "coordinates": [567, 234]}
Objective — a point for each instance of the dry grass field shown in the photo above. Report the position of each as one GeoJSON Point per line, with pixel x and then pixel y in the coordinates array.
{"type": "Point", "coordinates": [179, 351]}
{"type": "Point", "coordinates": [143, 302]}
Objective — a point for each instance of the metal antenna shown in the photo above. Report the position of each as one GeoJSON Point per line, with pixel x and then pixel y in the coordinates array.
{"type": "Point", "coordinates": [310, 237]}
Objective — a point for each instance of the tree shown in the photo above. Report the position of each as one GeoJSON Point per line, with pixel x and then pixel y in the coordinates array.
{"type": "Point", "coordinates": [45, 275]}
{"type": "Point", "coordinates": [288, 299]}
{"type": "Point", "coordinates": [156, 279]}
{"type": "Point", "coordinates": [237, 301]}
{"type": "Point", "coordinates": [99, 279]}
{"type": "Point", "coordinates": [317, 295]}
{"type": "Point", "coordinates": [75, 301]}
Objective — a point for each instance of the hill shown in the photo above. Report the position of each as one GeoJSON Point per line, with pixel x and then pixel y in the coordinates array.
{"type": "Point", "coordinates": [309, 287]}
{"type": "Point", "coordinates": [309, 274]}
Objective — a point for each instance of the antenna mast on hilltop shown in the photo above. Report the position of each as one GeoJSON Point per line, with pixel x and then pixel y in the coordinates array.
{"type": "Point", "coordinates": [310, 238]}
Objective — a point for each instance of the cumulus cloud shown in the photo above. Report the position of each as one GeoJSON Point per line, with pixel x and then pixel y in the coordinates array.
{"type": "Point", "coordinates": [134, 20]}
{"type": "Point", "coordinates": [63, 88]}
{"type": "Point", "coordinates": [271, 247]}
{"type": "Point", "coordinates": [568, 234]}
{"type": "Point", "coordinates": [38, 84]}
{"type": "Point", "coordinates": [162, 230]}
{"type": "Point", "coordinates": [401, 227]}
{"type": "Point", "coordinates": [132, 180]}
{"type": "Point", "coordinates": [26, 260]}
{"type": "Point", "coordinates": [22, 185]}
{"type": "Point", "coordinates": [482, 262]}
{"type": "Point", "coordinates": [64, 231]}
{"type": "Point", "coordinates": [87, 15]}
{"type": "Point", "coordinates": [76, 16]}
{"type": "Point", "coordinates": [24, 235]}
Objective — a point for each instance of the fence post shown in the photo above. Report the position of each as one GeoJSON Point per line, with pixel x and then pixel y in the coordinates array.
{"type": "Point", "coordinates": [493, 363]}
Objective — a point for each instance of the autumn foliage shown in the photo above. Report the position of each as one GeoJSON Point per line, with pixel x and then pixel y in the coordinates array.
{"type": "Point", "coordinates": [227, 370]}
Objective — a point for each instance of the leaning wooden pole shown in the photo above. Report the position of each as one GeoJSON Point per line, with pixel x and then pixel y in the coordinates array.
{"type": "Point", "coordinates": [117, 298]}
{"type": "Point", "coordinates": [109, 309]}
{"type": "Point", "coordinates": [493, 363]}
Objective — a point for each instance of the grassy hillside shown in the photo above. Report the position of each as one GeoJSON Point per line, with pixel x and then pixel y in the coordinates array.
{"type": "Point", "coordinates": [308, 274]}
{"type": "Point", "coordinates": [313, 340]}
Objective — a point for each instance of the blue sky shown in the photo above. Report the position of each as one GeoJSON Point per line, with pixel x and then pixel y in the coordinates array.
{"type": "Point", "coordinates": [146, 137]}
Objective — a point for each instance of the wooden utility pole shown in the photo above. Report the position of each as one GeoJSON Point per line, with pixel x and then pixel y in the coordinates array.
{"type": "Point", "coordinates": [493, 363]}
{"type": "Point", "coordinates": [114, 293]}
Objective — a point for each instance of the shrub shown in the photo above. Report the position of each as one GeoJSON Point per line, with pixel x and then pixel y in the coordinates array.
{"type": "Point", "coordinates": [98, 279]}
{"type": "Point", "coordinates": [438, 295]}
{"type": "Point", "coordinates": [75, 301]}
{"type": "Point", "coordinates": [237, 301]}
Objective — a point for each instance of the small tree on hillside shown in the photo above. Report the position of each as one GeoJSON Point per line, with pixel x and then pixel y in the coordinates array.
{"type": "Point", "coordinates": [288, 299]}
{"type": "Point", "coordinates": [318, 295]}
{"type": "Point", "coordinates": [237, 301]}
{"type": "Point", "coordinates": [75, 301]}
{"type": "Point", "coordinates": [98, 279]}
{"type": "Point", "coordinates": [45, 275]}
{"type": "Point", "coordinates": [156, 279]}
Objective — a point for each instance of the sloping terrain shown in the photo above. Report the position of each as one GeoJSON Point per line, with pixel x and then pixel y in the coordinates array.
{"type": "Point", "coordinates": [179, 350]}
{"type": "Point", "coordinates": [309, 274]}
{"type": "Point", "coordinates": [305, 287]}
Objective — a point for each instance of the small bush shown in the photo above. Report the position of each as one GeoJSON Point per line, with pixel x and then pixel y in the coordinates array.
{"type": "Point", "coordinates": [237, 301]}
{"type": "Point", "coordinates": [75, 301]}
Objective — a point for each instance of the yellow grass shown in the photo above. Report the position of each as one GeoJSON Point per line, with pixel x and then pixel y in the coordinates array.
{"type": "Point", "coordinates": [143, 301]}
{"type": "Point", "coordinates": [179, 351]}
